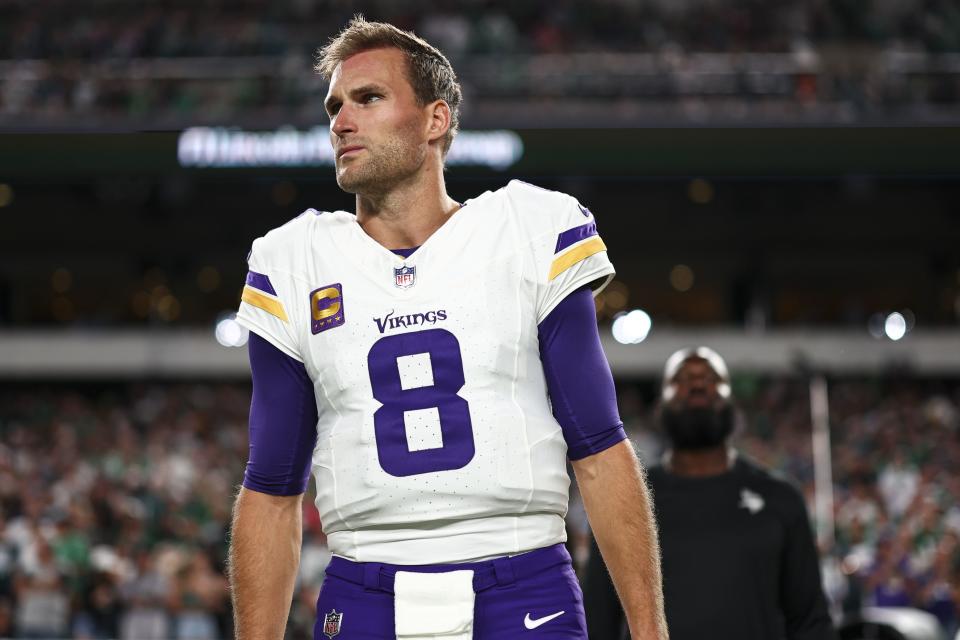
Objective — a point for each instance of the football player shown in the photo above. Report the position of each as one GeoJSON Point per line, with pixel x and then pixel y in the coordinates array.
{"type": "Point", "coordinates": [435, 363]}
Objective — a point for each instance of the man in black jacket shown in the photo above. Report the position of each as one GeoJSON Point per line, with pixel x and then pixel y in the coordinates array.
{"type": "Point", "coordinates": [739, 560]}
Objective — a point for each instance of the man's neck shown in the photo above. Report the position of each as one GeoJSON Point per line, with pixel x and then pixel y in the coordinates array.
{"type": "Point", "coordinates": [699, 463]}
{"type": "Point", "coordinates": [409, 213]}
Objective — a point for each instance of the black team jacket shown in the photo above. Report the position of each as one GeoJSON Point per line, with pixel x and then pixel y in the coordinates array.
{"type": "Point", "coordinates": [739, 561]}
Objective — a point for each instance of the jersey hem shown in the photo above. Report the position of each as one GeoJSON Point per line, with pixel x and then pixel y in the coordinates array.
{"type": "Point", "coordinates": [468, 540]}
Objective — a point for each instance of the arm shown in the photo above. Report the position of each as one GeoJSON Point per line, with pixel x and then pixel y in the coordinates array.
{"type": "Point", "coordinates": [608, 473]}
{"type": "Point", "coordinates": [267, 517]}
{"type": "Point", "coordinates": [264, 556]}
{"type": "Point", "coordinates": [618, 505]}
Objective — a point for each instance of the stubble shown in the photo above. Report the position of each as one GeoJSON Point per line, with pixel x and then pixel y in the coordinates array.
{"type": "Point", "coordinates": [379, 168]}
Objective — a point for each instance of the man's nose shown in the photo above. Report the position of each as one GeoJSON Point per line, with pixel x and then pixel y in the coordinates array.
{"type": "Point", "coordinates": [343, 122]}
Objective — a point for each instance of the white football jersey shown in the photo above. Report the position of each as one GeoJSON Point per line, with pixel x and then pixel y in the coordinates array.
{"type": "Point", "coordinates": [435, 439]}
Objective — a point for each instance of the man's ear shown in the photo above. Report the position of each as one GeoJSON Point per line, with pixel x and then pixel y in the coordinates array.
{"type": "Point", "coordinates": [439, 123]}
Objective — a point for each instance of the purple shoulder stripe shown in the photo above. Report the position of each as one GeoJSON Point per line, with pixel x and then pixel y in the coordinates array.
{"type": "Point", "coordinates": [572, 236]}
{"type": "Point", "coordinates": [261, 282]}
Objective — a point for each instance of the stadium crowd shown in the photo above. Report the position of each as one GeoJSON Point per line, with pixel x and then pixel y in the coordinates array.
{"type": "Point", "coordinates": [896, 500]}
{"type": "Point", "coordinates": [115, 500]}
{"type": "Point", "coordinates": [148, 59]}
{"type": "Point", "coordinates": [57, 29]}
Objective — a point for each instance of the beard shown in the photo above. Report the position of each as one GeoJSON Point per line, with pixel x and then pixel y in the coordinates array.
{"type": "Point", "coordinates": [378, 169]}
{"type": "Point", "coordinates": [697, 428]}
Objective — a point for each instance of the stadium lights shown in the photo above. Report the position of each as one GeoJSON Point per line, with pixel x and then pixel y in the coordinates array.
{"type": "Point", "coordinates": [632, 327]}
{"type": "Point", "coordinates": [681, 278]}
{"type": "Point", "coordinates": [893, 326]}
{"type": "Point", "coordinates": [229, 332]}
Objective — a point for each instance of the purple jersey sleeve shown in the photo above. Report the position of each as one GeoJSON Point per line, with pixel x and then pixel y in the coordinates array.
{"type": "Point", "coordinates": [283, 422]}
{"type": "Point", "coordinates": [578, 376]}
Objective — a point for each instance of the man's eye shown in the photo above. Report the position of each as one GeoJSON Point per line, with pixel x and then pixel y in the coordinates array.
{"type": "Point", "coordinates": [370, 97]}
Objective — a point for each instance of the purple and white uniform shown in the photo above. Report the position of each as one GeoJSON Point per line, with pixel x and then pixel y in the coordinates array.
{"type": "Point", "coordinates": [419, 388]}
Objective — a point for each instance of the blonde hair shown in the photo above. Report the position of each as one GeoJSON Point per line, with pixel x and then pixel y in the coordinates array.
{"type": "Point", "coordinates": [430, 74]}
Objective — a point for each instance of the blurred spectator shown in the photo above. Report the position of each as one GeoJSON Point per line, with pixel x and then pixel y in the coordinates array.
{"type": "Point", "coordinates": [199, 596]}
{"type": "Point", "coordinates": [43, 609]}
{"type": "Point", "coordinates": [861, 506]}
{"type": "Point", "coordinates": [99, 611]}
{"type": "Point", "coordinates": [723, 574]}
{"type": "Point", "coordinates": [146, 596]}
{"type": "Point", "coordinates": [887, 580]}
{"type": "Point", "coordinates": [898, 483]}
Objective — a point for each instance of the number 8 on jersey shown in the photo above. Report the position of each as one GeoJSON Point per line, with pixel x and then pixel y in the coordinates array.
{"type": "Point", "coordinates": [439, 400]}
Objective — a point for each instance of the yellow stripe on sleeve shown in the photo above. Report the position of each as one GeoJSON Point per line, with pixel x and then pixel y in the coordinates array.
{"type": "Point", "coordinates": [575, 255]}
{"type": "Point", "coordinates": [253, 297]}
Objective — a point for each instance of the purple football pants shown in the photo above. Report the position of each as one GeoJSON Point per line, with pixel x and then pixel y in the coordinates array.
{"type": "Point", "coordinates": [516, 597]}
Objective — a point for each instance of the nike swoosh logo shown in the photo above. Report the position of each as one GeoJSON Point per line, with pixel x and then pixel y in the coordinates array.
{"type": "Point", "coordinates": [533, 623]}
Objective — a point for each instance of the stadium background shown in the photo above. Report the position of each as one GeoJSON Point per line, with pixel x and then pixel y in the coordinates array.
{"type": "Point", "coordinates": [776, 180]}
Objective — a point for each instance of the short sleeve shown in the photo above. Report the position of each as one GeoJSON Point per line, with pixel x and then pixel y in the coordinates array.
{"type": "Point", "coordinates": [571, 256]}
{"type": "Point", "coordinates": [268, 303]}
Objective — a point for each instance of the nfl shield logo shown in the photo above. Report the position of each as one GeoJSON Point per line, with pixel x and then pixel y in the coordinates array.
{"type": "Point", "coordinates": [331, 623]}
{"type": "Point", "coordinates": [405, 276]}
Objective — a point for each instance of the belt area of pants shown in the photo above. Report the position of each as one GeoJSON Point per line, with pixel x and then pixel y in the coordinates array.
{"type": "Point", "coordinates": [499, 572]}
